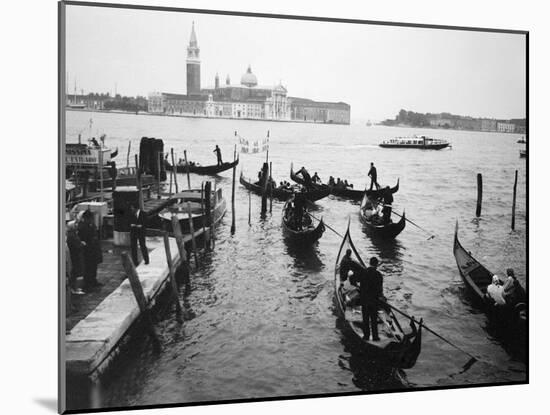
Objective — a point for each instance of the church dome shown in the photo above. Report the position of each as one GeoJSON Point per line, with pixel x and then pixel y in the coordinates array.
{"type": "Point", "coordinates": [249, 79]}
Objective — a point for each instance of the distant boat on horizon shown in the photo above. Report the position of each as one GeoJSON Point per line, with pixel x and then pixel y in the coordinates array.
{"type": "Point", "coordinates": [522, 140]}
{"type": "Point", "coordinates": [369, 123]}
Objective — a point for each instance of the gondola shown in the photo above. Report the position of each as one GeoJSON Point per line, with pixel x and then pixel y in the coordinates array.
{"type": "Point", "coordinates": [377, 194]}
{"type": "Point", "coordinates": [523, 154]}
{"type": "Point", "coordinates": [398, 348]}
{"type": "Point", "coordinates": [344, 193]}
{"type": "Point", "coordinates": [477, 278]}
{"type": "Point", "coordinates": [194, 168]}
{"type": "Point", "coordinates": [284, 194]}
{"type": "Point", "coordinates": [373, 221]}
{"type": "Point", "coordinates": [199, 204]}
{"type": "Point", "coordinates": [309, 232]}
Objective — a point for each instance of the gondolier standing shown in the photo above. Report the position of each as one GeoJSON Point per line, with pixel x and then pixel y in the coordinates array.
{"type": "Point", "coordinates": [373, 176]}
{"type": "Point", "coordinates": [388, 200]}
{"type": "Point", "coordinates": [218, 154]}
{"type": "Point", "coordinates": [371, 291]}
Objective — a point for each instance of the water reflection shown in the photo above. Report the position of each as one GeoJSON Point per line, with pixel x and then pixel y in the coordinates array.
{"type": "Point", "coordinates": [305, 256]}
{"type": "Point", "coordinates": [369, 374]}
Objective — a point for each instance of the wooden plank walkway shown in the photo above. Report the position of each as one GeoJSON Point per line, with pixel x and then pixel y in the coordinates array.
{"type": "Point", "coordinates": [93, 339]}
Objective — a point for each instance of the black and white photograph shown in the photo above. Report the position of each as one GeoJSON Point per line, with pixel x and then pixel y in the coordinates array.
{"type": "Point", "coordinates": [261, 207]}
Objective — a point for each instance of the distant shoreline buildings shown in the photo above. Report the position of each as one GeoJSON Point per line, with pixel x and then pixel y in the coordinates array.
{"type": "Point", "coordinates": [446, 120]}
{"type": "Point", "coordinates": [246, 100]}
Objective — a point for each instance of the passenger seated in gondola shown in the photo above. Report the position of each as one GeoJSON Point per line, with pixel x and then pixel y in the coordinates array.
{"type": "Point", "coordinates": [316, 179]}
{"type": "Point", "coordinates": [299, 204]}
{"type": "Point", "coordinates": [331, 181]}
{"type": "Point", "coordinates": [348, 268]}
{"type": "Point", "coordinates": [94, 142]}
{"type": "Point", "coordinates": [339, 183]}
{"type": "Point", "coordinates": [513, 293]}
{"type": "Point", "coordinates": [495, 290]}
{"type": "Point", "coordinates": [346, 184]}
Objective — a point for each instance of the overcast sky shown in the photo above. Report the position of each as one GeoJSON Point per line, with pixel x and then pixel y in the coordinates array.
{"type": "Point", "coordinates": [376, 69]}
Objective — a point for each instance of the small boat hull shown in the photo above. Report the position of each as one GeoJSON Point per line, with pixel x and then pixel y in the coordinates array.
{"type": "Point", "coordinates": [395, 347]}
{"type": "Point", "coordinates": [209, 170]}
{"type": "Point", "coordinates": [373, 225]}
{"type": "Point", "coordinates": [477, 278]}
{"type": "Point", "coordinates": [283, 194]}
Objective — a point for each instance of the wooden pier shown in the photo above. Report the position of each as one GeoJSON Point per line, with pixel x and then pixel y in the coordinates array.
{"type": "Point", "coordinates": [92, 340]}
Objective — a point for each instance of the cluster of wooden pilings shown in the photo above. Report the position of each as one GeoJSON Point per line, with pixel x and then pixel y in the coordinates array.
{"type": "Point", "coordinates": [480, 198]}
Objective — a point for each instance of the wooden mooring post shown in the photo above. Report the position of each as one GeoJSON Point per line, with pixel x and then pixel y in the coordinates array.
{"type": "Point", "coordinates": [158, 173]}
{"type": "Point", "coordinates": [176, 227]}
{"type": "Point", "coordinates": [270, 187]}
{"type": "Point", "coordinates": [249, 207]}
{"type": "Point", "coordinates": [208, 213]}
{"type": "Point", "coordinates": [175, 170]}
{"type": "Point", "coordinates": [187, 169]}
{"type": "Point", "coordinates": [137, 289]}
{"type": "Point", "coordinates": [479, 194]}
{"type": "Point", "coordinates": [128, 155]}
{"type": "Point", "coordinates": [233, 193]}
{"type": "Point", "coordinates": [172, 272]}
{"type": "Point", "coordinates": [138, 183]}
{"type": "Point", "coordinates": [213, 223]}
{"type": "Point", "coordinates": [192, 230]}
{"type": "Point", "coordinates": [171, 173]}
{"type": "Point", "coordinates": [514, 202]}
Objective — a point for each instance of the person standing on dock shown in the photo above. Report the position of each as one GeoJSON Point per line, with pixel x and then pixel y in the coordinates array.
{"type": "Point", "coordinates": [91, 250]}
{"type": "Point", "coordinates": [371, 291]}
{"type": "Point", "coordinates": [137, 233]}
{"type": "Point", "coordinates": [373, 177]}
{"type": "Point", "coordinates": [74, 245]}
{"type": "Point", "coordinates": [218, 155]}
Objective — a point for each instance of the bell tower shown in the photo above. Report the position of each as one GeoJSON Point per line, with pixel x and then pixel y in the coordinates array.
{"type": "Point", "coordinates": [193, 65]}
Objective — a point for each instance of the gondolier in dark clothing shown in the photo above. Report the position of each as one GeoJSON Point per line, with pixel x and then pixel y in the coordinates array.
{"type": "Point", "coordinates": [94, 142]}
{"type": "Point", "coordinates": [305, 175]}
{"type": "Point", "coordinates": [91, 250]}
{"type": "Point", "coordinates": [316, 178]}
{"type": "Point", "coordinates": [299, 204]}
{"type": "Point", "coordinates": [75, 246]}
{"type": "Point", "coordinates": [371, 290]}
{"type": "Point", "coordinates": [218, 155]}
{"type": "Point", "coordinates": [388, 200]}
{"type": "Point", "coordinates": [138, 221]}
{"type": "Point", "coordinates": [373, 177]}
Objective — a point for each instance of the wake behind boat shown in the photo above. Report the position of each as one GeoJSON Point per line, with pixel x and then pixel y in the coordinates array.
{"type": "Point", "coordinates": [422, 142]}
{"type": "Point", "coordinates": [396, 347]}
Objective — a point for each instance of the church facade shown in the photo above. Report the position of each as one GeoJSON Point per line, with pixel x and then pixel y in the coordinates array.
{"type": "Point", "coordinates": [246, 100]}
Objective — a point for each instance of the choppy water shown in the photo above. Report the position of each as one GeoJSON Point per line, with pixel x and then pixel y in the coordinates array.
{"type": "Point", "coordinates": [260, 315]}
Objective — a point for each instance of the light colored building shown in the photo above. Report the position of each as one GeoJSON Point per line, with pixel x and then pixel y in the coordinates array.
{"type": "Point", "coordinates": [246, 100]}
{"type": "Point", "coordinates": [505, 127]}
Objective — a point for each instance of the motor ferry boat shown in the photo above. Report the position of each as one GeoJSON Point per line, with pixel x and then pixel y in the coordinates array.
{"type": "Point", "coordinates": [422, 142]}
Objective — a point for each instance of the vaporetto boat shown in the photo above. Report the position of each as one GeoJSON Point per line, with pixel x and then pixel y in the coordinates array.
{"type": "Point", "coordinates": [421, 142]}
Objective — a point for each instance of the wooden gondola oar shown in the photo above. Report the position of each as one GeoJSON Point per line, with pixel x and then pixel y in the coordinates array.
{"type": "Point", "coordinates": [324, 223]}
{"type": "Point", "coordinates": [411, 222]}
{"type": "Point", "coordinates": [466, 366]}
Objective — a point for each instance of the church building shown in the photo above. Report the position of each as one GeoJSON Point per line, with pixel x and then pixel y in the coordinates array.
{"type": "Point", "coordinates": [246, 100]}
